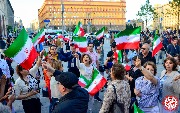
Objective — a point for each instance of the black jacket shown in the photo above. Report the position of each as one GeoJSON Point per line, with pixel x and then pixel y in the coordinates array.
{"type": "Point", "coordinates": [2, 44]}
{"type": "Point", "coordinates": [147, 58]}
{"type": "Point", "coordinates": [75, 101]}
{"type": "Point", "coordinates": [173, 50]}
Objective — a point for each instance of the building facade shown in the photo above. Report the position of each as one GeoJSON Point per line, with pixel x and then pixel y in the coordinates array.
{"type": "Point", "coordinates": [10, 14]}
{"type": "Point", "coordinates": [164, 20]}
{"type": "Point", "coordinates": [6, 16]}
{"type": "Point", "coordinates": [34, 25]}
{"type": "Point", "coordinates": [109, 13]}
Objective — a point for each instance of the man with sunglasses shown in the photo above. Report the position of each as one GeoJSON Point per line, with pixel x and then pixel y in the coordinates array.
{"type": "Point", "coordinates": [146, 54]}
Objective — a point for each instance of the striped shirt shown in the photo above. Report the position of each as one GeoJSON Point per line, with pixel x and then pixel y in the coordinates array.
{"type": "Point", "coordinates": [149, 92]}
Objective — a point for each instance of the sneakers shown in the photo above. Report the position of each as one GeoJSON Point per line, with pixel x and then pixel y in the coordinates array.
{"type": "Point", "coordinates": [98, 99]}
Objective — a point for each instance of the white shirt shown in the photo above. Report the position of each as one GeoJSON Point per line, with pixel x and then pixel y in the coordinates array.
{"type": "Point", "coordinates": [54, 88]}
{"type": "Point", "coordinates": [22, 89]}
{"type": "Point", "coordinates": [5, 68]}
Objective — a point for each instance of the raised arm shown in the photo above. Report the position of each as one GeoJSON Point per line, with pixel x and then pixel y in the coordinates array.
{"type": "Point", "coordinates": [145, 72]}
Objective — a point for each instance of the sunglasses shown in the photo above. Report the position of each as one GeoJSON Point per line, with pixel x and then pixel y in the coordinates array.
{"type": "Point", "coordinates": [143, 48]}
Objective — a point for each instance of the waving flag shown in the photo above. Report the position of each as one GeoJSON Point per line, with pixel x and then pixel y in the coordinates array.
{"type": "Point", "coordinates": [81, 43]}
{"type": "Point", "coordinates": [22, 50]}
{"type": "Point", "coordinates": [128, 39]}
{"type": "Point", "coordinates": [157, 45]}
{"type": "Point", "coordinates": [118, 56]}
{"type": "Point", "coordinates": [100, 33]}
{"type": "Point", "coordinates": [137, 110]}
{"type": "Point", "coordinates": [79, 31]}
{"type": "Point", "coordinates": [94, 84]}
{"type": "Point", "coordinates": [39, 38]}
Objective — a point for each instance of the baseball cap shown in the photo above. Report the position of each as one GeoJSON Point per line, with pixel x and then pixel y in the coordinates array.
{"type": "Point", "coordinates": [72, 44]}
{"type": "Point", "coordinates": [67, 79]}
{"type": "Point", "coordinates": [113, 44]}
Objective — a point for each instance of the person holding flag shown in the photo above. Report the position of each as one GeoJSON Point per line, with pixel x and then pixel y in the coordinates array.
{"type": "Point", "coordinates": [69, 57]}
{"type": "Point", "coordinates": [86, 70]}
{"type": "Point", "coordinates": [26, 88]}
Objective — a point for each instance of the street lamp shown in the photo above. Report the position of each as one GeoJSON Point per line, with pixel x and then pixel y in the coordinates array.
{"type": "Point", "coordinates": [62, 12]}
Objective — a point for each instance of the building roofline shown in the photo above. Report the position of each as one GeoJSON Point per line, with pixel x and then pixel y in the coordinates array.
{"type": "Point", "coordinates": [10, 6]}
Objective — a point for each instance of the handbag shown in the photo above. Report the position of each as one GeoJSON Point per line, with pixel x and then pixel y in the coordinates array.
{"type": "Point", "coordinates": [116, 107]}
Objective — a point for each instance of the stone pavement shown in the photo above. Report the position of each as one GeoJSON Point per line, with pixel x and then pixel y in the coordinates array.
{"type": "Point", "coordinates": [45, 101]}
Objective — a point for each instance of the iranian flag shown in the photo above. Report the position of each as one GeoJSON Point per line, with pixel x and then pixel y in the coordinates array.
{"type": "Point", "coordinates": [79, 31]}
{"type": "Point", "coordinates": [93, 85]}
{"type": "Point", "coordinates": [128, 39]}
{"type": "Point", "coordinates": [118, 56]}
{"type": "Point", "coordinates": [22, 50]}
{"type": "Point", "coordinates": [100, 33]}
{"type": "Point", "coordinates": [157, 45]}
{"type": "Point", "coordinates": [81, 43]}
{"type": "Point", "coordinates": [39, 38]}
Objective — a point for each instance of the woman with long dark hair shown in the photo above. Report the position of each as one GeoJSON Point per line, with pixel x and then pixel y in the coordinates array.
{"type": "Point", "coordinates": [26, 88]}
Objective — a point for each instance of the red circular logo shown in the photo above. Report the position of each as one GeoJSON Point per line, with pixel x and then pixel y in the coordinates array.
{"type": "Point", "coordinates": [170, 103]}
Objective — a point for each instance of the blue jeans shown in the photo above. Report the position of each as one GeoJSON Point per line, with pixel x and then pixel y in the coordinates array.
{"type": "Point", "coordinates": [52, 104]}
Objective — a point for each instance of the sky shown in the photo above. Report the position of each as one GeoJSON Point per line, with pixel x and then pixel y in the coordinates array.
{"type": "Point", "coordinates": [27, 10]}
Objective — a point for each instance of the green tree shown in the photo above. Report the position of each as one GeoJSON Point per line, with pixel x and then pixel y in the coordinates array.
{"type": "Point", "coordinates": [147, 12]}
{"type": "Point", "coordinates": [72, 28]}
{"type": "Point", "coordinates": [129, 26]}
{"type": "Point", "coordinates": [175, 10]}
{"type": "Point", "coordinates": [85, 28]}
{"type": "Point", "coordinates": [93, 28]}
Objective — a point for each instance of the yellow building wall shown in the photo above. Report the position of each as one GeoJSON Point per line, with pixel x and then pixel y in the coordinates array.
{"type": "Point", "coordinates": [168, 20]}
{"type": "Point", "coordinates": [110, 13]}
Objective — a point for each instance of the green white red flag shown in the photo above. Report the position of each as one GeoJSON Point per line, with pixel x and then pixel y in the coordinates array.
{"type": "Point", "coordinates": [100, 33]}
{"type": "Point", "coordinates": [93, 85]}
{"type": "Point", "coordinates": [39, 38]}
{"type": "Point", "coordinates": [22, 50]}
{"type": "Point", "coordinates": [81, 43]}
{"type": "Point", "coordinates": [128, 39]}
{"type": "Point", "coordinates": [157, 45]}
{"type": "Point", "coordinates": [118, 56]}
{"type": "Point", "coordinates": [79, 31]}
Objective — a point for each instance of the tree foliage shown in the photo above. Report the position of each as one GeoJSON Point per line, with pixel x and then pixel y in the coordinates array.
{"type": "Point", "coordinates": [147, 12]}
{"type": "Point", "coordinates": [72, 28]}
{"type": "Point", "coordinates": [93, 28]}
{"type": "Point", "coordinates": [129, 26]}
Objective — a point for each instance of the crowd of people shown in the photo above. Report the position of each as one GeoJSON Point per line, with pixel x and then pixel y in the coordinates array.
{"type": "Point", "coordinates": [140, 86]}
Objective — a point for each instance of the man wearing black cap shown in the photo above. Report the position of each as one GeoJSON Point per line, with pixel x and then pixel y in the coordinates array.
{"type": "Point", "coordinates": [69, 57]}
{"type": "Point", "coordinates": [74, 98]}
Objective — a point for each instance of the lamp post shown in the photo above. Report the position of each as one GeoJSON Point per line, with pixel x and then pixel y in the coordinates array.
{"type": "Point", "coordinates": [62, 14]}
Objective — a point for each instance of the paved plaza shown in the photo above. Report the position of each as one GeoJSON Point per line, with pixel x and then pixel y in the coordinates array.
{"type": "Point", "coordinates": [45, 101]}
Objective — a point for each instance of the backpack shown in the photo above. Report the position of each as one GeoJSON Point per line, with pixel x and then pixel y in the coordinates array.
{"type": "Point", "coordinates": [116, 107]}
